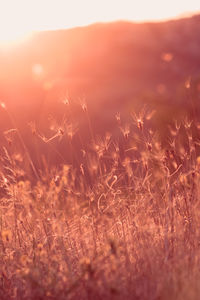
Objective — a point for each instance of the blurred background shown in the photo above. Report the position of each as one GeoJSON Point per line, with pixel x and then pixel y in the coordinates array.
{"type": "Point", "coordinates": [68, 68]}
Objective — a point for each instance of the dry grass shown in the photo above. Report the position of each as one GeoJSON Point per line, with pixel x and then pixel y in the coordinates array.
{"type": "Point", "coordinates": [125, 225]}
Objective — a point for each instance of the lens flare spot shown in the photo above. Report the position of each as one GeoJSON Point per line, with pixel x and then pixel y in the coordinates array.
{"type": "Point", "coordinates": [167, 57]}
{"type": "Point", "coordinates": [38, 70]}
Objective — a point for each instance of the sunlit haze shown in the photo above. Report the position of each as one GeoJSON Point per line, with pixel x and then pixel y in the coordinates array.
{"type": "Point", "coordinates": [21, 16]}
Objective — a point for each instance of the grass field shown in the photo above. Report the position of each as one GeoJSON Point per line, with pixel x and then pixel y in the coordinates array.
{"type": "Point", "coordinates": [125, 224]}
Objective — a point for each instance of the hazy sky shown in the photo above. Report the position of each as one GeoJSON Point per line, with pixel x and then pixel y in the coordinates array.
{"type": "Point", "coordinates": [19, 16]}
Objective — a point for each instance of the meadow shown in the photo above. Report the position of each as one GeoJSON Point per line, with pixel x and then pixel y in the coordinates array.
{"type": "Point", "coordinates": [121, 223]}
{"type": "Point", "coordinates": [100, 163]}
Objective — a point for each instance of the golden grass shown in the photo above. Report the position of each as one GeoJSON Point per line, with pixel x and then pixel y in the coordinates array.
{"type": "Point", "coordinates": [125, 225]}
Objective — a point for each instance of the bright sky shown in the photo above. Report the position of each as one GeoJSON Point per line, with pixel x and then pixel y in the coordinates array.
{"type": "Point", "coordinates": [17, 17]}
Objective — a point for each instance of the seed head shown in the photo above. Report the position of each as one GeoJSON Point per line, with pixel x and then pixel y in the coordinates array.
{"type": "Point", "coordinates": [140, 124]}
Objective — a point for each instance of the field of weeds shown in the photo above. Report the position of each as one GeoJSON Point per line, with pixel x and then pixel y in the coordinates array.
{"type": "Point", "coordinates": [124, 224]}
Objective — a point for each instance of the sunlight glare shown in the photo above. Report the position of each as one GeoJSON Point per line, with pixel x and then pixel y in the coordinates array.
{"type": "Point", "coordinates": [21, 17]}
{"type": "Point", "coordinates": [10, 36]}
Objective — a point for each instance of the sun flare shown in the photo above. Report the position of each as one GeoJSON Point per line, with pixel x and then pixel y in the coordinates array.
{"type": "Point", "coordinates": [20, 17]}
{"type": "Point", "coordinates": [11, 36]}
